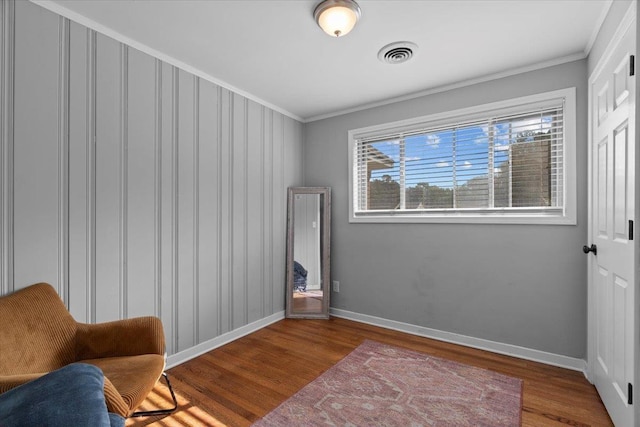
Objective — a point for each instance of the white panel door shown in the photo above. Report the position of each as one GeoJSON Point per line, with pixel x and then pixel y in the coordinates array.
{"type": "Point", "coordinates": [611, 267]}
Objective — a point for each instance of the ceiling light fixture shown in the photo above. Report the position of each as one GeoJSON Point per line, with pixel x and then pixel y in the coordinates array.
{"type": "Point", "coordinates": [337, 17]}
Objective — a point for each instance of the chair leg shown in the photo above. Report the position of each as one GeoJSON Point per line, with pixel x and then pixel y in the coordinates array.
{"type": "Point", "coordinates": [160, 411]}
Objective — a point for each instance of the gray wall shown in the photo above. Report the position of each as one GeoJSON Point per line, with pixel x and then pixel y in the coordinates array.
{"type": "Point", "coordinates": [519, 285]}
{"type": "Point", "coordinates": [176, 207]}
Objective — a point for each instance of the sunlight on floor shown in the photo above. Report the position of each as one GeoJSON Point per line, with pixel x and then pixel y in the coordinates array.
{"type": "Point", "coordinates": [187, 414]}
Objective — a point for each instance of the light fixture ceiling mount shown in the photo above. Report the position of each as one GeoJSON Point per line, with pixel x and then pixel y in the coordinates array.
{"type": "Point", "coordinates": [337, 17]}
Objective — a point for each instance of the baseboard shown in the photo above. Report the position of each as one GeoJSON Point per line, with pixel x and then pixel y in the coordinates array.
{"type": "Point", "coordinates": [219, 341]}
{"type": "Point", "coordinates": [495, 347]}
{"type": "Point", "coordinates": [482, 344]}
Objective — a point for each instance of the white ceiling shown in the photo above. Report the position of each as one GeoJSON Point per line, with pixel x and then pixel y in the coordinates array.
{"type": "Point", "coordinates": [272, 50]}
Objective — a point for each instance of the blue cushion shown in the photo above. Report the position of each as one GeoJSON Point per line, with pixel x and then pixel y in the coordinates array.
{"type": "Point", "coordinates": [70, 396]}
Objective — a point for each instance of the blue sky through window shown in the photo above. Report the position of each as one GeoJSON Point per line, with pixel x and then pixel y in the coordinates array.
{"type": "Point", "coordinates": [430, 157]}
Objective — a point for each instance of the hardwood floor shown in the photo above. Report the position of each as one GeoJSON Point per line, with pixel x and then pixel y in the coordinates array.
{"type": "Point", "coordinates": [238, 383]}
{"type": "Point", "coordinates": [307, 302]}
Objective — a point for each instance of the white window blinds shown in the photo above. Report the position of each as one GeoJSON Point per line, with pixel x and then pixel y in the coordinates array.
{"type": "Point", "coordinates": [511, 160]}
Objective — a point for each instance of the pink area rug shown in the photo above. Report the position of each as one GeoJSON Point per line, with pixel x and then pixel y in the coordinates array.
{"type": "Point", "coordinates": [381, 385]}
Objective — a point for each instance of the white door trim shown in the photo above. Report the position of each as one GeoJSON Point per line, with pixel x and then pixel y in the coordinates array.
{"type": "Point", "coordinates": [628, 20]}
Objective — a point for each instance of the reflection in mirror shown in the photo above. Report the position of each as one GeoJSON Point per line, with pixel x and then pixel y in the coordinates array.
{"type": "Point", "coordinates": [308, 258]}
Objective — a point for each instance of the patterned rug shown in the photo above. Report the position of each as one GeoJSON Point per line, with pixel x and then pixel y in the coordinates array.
{"type": "Point", "coordinates": [381, 385]}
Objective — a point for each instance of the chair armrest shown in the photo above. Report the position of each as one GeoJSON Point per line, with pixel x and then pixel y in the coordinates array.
{"type": "Point", "coordinates": [7, 382]}
{"type": "Point", "coordinates": [128, 337]}
{"type": "Point", "coordinates": [115, 402]}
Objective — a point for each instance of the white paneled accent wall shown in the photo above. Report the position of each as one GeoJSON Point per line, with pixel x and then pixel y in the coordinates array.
{"type": "Point", "coordinates": [136, 188]}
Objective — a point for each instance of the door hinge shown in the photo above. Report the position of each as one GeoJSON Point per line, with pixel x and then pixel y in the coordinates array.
{"type": "Point", "coordinates": [630, 229]}
{"type": "Point", "coordinates": [632, 65]}
{"type": "Point", "coordinates": [630, 394]}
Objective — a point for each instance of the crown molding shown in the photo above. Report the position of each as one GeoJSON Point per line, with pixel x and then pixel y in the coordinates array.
{"type": "Point", "coordinates": [109, 32]}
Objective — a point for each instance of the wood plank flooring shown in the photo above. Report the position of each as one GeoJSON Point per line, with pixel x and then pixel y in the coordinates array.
{"type": "Point", "coordinates": [238, 383]}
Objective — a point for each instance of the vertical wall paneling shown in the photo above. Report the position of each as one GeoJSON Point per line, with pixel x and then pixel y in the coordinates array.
{"type": "Point", "coordinates": [186, 199]}
{"type": "Point", "coordinates": [123, 163]}
{"type": "Point", "coordinates": [207, 212]}
{"type": "Point", "coordinates": [139, 185]}
{"type": "Point", "coordinates": [108, 172]}
{"type": "Point", "coordinates": [196, 208]}
{"type": "Point", "coordinates": [136, 188]}
{"type": "Point", "coordinates": [264, 226]}
{"type": "Point", "coordinates": [226, 212]}
{"type": "Point", "coordinates": [218, 225]}
{"type": "Point", "coordinates": [279, 211]}
{"type": "Point", "coordinates": [238, 221]}
{"type": "Point", "coordinates": [77, 184]}
{"type": "Point", "coordinates": [157, 189]}
{"type": "Point", "coordinates": [36, 148]}
{"type": "Point", "coordinates": [292, 150]}
{"type": "Point", "coordinates": [244, 256]}
{"type": "Point", "coordinates": [267, 209]}
{"type": "Point", "coordinates": [175, 117]}
{"type": "Point", "coordinates": [6, 145]}
{"type": "Point", "coordinates": [63, 157]}
{"type": "Point", "coordinates": [220, 203]}
{"type": "Point", "coordinates": [90, 180]}
{"type": "Point", "coordinates": [254, 211]}
{"type": "Point", "coordinates": [167, 214]}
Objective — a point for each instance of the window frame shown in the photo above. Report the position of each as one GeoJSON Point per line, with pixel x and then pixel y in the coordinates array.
{"type": "Point", "coordinates": [553, 216]}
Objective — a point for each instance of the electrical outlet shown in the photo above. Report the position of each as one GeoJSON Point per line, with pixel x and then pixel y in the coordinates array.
{"type": "Point", "coordinates": [336, 286]}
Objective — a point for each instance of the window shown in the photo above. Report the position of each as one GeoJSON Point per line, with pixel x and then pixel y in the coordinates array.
{"type": "Point", "coordinates": [506, 162]}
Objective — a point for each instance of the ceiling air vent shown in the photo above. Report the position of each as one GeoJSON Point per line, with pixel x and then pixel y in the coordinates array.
{"type": "Point", "coordinates": [397, 53]}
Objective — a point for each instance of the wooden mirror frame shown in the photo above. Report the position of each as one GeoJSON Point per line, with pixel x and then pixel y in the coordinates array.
{"type": "Point", "coordinates": [325, 251]}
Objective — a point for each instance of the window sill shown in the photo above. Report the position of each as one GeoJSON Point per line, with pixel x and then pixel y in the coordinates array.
{"type": "Point", "coordinates": [466, 217]}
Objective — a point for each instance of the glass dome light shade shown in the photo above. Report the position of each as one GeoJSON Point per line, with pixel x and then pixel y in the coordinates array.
{"type": "Point", "coordinates": [337, 17]}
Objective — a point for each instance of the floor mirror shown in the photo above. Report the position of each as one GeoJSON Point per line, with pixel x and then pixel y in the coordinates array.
{"type": "Point", "coordinates": [308, 252]}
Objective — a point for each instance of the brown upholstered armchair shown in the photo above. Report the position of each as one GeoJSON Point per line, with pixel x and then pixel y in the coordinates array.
{"type": "Point", "coordinates": [38, 335]}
